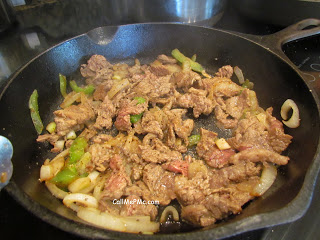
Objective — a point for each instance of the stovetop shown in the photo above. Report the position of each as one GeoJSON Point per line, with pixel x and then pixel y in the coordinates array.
{"type": "Point", "coordinates": [28, 37]}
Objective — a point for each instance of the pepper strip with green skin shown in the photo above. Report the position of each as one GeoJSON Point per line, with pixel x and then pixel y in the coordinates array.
{"type": "Point", "coordinates": [87, 90]}
{"type": "Point", "coordinates": [76, 150]}
{"type": "Point", "coordinates": [65, 176]}
{"type": "Point", "coordinates": [194, 140]}
{"type": "Point", "coordinates": [135, 118]}
{"type": "Point", "coordinates": [34, 111]}
{"type": "Point", "coordinates": [182, 58]}
{"type": "Point", "coordinates": [63, 85]}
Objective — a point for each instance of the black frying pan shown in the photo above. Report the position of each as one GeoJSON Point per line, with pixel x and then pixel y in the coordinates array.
{"type": "Point", "coordinates": [262, 61]}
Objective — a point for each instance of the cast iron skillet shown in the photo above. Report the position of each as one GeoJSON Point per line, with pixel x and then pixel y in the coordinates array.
{"type": "Point", "coordinates": [262, 61]}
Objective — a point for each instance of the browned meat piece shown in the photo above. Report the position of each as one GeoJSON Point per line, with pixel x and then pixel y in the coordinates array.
{"type": "Point", "coordinates": [278, 140]}
{"type": "Point", "coordinates": [128, 108]}
{"type": "Point", "coordinates": [115, 185]}
{"type": "Point", "coordinates": [178, 127]}
{"type": "Point", "coordinates": [208, 150]}
{"type": "Point", "coordinates": [236, 173]}
{"type": "Point", "coordinates": [259, 155]}
{"type": "Point", "coordinates": [160, 184]}
{"type": "Point", "coordinates": [51, 138]}
{"type": "Point", "coordinates": [191, 191]}
{"type": "Point", "coordinates": [229, 111]}
{"type": "Point", "coordinates": [106, 111]}
{"type": "Point", "coordinates": [198, 215]}
{"type": "Point", "coordinates": [160, 70]}
{"type": "Point", "coordinates": [225, 72]}
{"type": "Point", "coordinates": [100, 156]}
{"type": "Point", "coordinates": [97, 70]}
{"type": "Point", "coordinates": [151, 85]}
{"type": "Point", "coordinates": [72, 117]}
{"type": "Point", "coordinates": [223, 87]}
{"type": "Point", "coordinates": [196, 99]}
{"type": "Point", "coordinates": [153, 121]}
{"type": "Point", "coordinates": [252, 133]}
{"type": "Point", "coordinates": [166, 59]}
{"type": "Point", "coordinates": [177, 166]}
{"type": "Point", "coordinates": [226, 201]}
{"type": "Point", "coordinates": [157, 152]}
{"type": "Point", "coordinates": [102, 89]}
{"type": "Point", "coordinates": [184, 80]}
{"type": "Point", "coordinates": [135, 208]}
{"type": "Point", "coordinates": [150, 154]}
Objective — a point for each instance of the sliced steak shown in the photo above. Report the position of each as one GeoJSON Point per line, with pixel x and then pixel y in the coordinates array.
{"type": "Point", "coordinates": [225, 72]}
{"type": "Point", "coordinates": [106, 111]}
{"type": "Point", "coordinates": [159, 183]}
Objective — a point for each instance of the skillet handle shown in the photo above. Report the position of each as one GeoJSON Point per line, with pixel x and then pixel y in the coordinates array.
{"type": "Point", "coordinates": [302, 29]}
{"type": "Point", "coordinates": [274, 42]}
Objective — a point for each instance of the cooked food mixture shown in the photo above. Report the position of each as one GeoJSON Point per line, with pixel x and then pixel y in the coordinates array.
{"type": "Point", "coordinates": [129, 142]}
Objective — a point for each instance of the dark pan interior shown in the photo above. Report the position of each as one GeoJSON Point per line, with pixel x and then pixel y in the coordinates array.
{"type": "Point", "coordinates": [275, 81]}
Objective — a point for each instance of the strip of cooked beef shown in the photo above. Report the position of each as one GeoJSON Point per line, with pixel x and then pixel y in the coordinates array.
{"type": "Point", "coordinates": [151, 85]}
{"type": "Point", "coordinates": [229, 111]}
{"type": "Point", "coordinates": [239, 172]}
{"type": "Point", "coordinates": [51, 138]}
{"type": "Point", "coordinates": [184, 79]}
{"type": "Point", "coordinates": [177, 166]}
{"type": "Point", "coordinates": [196, 99]}
{"type": "Point", "coordinates": [178, 128]}
{"type": "Point", "coordinates": [157, 152]}
{"type": "Point", "coordinates": [73, 117]}
{"type": "Point", "coordinates": [191, 191]}
{"type": "Point", "coordinates": [153, 121]}
{"type": "Point", "coordinates": [97, 70]}
{"type": "Point", "coordinates": [105, 112]}
{"type": "Point", "coordinates": [127, 108]}
{"type": "Point", "coordinates": [115, 185]}
{"type": "Point", "coordinates": [278, 140]}
{"type": "Point", "coordinates": [259, 155]}
{"type": "Point", "coordinates": [225, 72]}
{"type": "Point", "coordinates": [159, 184]}
{"type": "Point", "coordinates": [207, 150]}
{"type": "Point", "coordinates": [254, 133]}
{"type": "Point", "coordinates": [133, 207]}
{"type": "Point", "coordinates": [100, 156]}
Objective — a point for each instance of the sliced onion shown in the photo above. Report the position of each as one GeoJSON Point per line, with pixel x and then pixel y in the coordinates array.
{"type": "Point", "coordinates": [294, 120]}
{"type": "Point", "coordinates": [70, 99]}
{"type": "Point", "coordinates": [169, 210]}
{"type": "Point", "coordinates": [239, 74]}
{"type": "Point", "coordinates": [222, 144]}
{"type": "Point", "coordinates": [71, 135]}
{"type": "Point", "coordinates": [80, 198]}
{"type": "Point", "coordinates": [268, 176]}
{"type": "Point", "coordinates": [79, 184]}
{"type": "Point", "coordinates": [117, 223]}
{"type": "Point", "coordinates": [57, 192]}
{"type": "Point", "coordinates": [49, 170]}
{"type": "Point", "coordinates": [117, 87]}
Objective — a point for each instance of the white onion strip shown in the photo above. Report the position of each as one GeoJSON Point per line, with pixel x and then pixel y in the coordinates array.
{"type": "Point", "coordinates": [294, 120]}
{"type": "Point", "coordinates": [239, 74]}
{"type": "Point", "coordinates": [268, 176]}
{"type": "Point", "coordinates": [80, 198]}
{"type": "Point", "coordinates": [55, 191]}
{"type": "Point", "coordinates": [169, 210]}
{"type": "Point", "coordinates": [117, 223]}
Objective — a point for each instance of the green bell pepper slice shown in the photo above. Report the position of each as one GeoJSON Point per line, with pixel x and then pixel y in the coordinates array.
{"type": "Point", "coordinates": [34, 111]}
{"type": "Point", "coordinates": [87, 90]}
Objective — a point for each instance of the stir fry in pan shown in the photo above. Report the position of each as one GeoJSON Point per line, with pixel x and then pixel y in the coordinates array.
{"type": "Point", "coordinates": [129, 143]}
